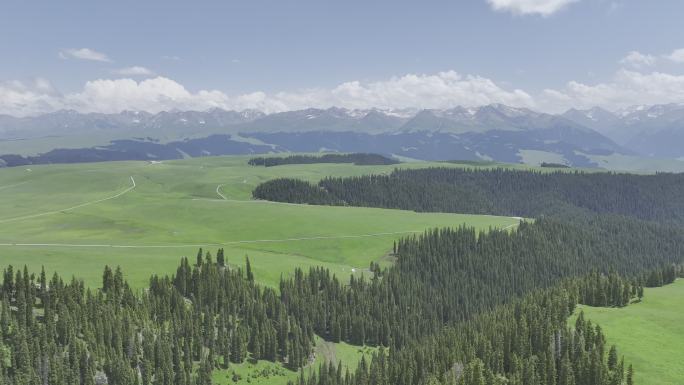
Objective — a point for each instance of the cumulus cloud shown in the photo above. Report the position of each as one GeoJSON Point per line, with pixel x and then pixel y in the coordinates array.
{"type": "Point", "coordinates": [625, 89]}
{"type": "Point", "coordinates": [153, 95]}
{"type": "Point", "coordinates": [526, 7]}
{"type": "Point", "coordinates": [677, 55]}
{"type": "Point", "coordinates": [134, 71]}
{"type": "Point", "coordinates": [84, 54]}
{"type": "Point", "coordinates": [637, 60]}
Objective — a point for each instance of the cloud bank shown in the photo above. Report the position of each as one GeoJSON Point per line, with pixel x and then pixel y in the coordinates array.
{"type": "Point", "coordinates": [628, 86]}
{"type": "Point", "coordinates": [441, 90]}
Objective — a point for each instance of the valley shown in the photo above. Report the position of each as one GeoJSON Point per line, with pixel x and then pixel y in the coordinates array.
{"type": "Point", "coordinates": [485, 192]}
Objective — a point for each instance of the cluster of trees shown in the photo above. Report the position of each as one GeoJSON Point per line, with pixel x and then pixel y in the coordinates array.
{"type": "Point", "coordinates": [526, 342]}
{"type": "Point", "coordinates": [294, 191]}
{"type": "Point", "coordinates": [497, 192]}
{"type": "Point", "coordinates": [359, 159]}
{"type": "Point", "coordinates": [554, 165]}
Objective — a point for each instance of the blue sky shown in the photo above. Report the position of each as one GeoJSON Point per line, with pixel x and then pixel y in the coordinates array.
{"type": "Point", "coordinates": [277, 55]}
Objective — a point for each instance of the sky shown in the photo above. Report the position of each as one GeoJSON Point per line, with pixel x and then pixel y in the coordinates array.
{"type": "Point", "coordinates": [154, 55]}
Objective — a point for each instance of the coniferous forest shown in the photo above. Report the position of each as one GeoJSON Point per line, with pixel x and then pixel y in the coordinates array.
{"type": "Point", "coordinates": [496, 192]}
{"type": "Point", "coordinates": [359, 159]}
{"type": "Point", "coordinates": [457, 307]}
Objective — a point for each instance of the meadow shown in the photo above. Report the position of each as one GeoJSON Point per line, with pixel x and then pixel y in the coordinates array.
{"type": "Point", "coordinates": [270, 373]}
{"type": "Point", "coordinates": [145, 216]}
{"type": "Point", "coordinates": [649, 334]}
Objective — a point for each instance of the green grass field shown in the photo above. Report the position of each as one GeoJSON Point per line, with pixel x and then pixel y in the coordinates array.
{"type": "Point", "coordinates": [270, 373]}
{"type": "Point", "coordinates": [74, 219]}
{"type": "Point", "coordinates": [649, 334]}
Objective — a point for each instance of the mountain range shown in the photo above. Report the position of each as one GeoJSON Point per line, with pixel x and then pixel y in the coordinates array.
{"type": "Point", "coordinates": [493, 132]}
{"type": "Point", "coordinates": [656, 131]}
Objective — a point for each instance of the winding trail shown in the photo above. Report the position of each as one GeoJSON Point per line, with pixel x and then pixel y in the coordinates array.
{"type": "Point", "coordinates": [12, 185]}
{"type": "Point", "coordinates": [218, 191]}
{"type": "Point", "coordinates": [133, 185]}
{"type": "Point", "coordinates": [514, 224]}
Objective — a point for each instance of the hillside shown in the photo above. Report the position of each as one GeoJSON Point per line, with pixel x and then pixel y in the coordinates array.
{"type": "Point", "coordinates": [649, 333]}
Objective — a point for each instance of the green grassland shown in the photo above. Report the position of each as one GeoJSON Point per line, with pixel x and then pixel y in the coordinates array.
{"type": "Point", "coordinates": [650, 334]}
{"type": "Point", "coordinates": [62, 217]}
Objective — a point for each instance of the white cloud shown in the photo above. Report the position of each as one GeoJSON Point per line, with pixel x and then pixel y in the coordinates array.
{"type": "Point", "coordinates": [441, 90]}
{"type": "Point", "coordinates": [637, 60]}
{"type": "Point", "coordinates": [84, 54]}
{"type": "Point", "coordinates": [153, 95]}
{"type": "Point", "coordinates": [625, 89]}
{"type": "Point", "coordinates": [134, 71]}
{"type": "Point", "coordinates": [525, 7]}
{"type": "Point", "coordinates": [677, 55]}
{"type": "Point", "coordinates": [18, 98]}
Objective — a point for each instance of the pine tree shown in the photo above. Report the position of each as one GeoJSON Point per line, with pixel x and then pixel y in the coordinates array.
{"type": "Point", "coordinates": [612, 358]}
{"type": "Point", "coordinates": [220, 258]}
{"type": "Point", "coordinates": [248, 269]}
{"type": "Point", "coordinates": [630, 375]}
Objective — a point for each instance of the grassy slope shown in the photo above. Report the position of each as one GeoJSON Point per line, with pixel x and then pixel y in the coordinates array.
{"type": "Point", "coordinates": [175, 208]}
{"type": "Point", "coordinates": [649, 334]}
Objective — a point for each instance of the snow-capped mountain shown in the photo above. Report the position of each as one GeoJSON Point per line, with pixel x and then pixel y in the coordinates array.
{"type": "Point", "coordinates": [493, 132]}
{"type": "Point", "coordinates": [648, 130]}
{"type": "Point", "coordinates": [331, 119]}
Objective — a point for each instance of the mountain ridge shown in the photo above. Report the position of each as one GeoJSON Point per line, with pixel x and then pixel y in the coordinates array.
{"type": "Point", "coordinates": [490, 132]}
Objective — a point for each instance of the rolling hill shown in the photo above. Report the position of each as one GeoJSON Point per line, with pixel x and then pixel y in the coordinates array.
{"type": "Point", "coordinates": [145, 216]}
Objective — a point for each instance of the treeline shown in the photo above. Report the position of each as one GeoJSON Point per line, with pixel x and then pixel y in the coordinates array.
{"type": "Point", "coordinates": [496, 192]}
{"type": "Point", "coordinates": [554, 165]}
{"type": "Point", "coordinates": [359, 159]}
